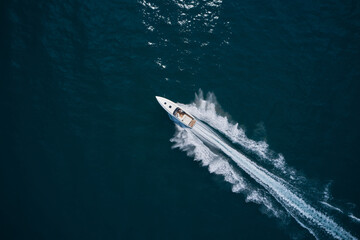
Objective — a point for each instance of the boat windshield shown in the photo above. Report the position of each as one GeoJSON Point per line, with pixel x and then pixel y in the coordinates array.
{"type": "Point", "coordinates": [178, 112]}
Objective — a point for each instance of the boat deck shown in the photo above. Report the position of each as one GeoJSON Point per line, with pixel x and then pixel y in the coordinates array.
{"type": "Point", "coordinates": [184, 117]}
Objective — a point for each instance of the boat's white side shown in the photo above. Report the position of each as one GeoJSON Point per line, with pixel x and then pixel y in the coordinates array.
{"type": "Point", "coordinates": [184, 120]}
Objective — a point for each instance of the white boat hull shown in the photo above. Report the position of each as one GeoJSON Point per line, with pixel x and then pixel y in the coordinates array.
{"type": "Point", "coordinates": [176, 114]}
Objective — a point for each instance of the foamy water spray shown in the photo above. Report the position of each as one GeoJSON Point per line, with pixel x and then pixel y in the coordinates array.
{"type": "Point", "coordinates": [185, 140]}
{"type": "Point", "coordinates": [305, 214]}
{"type": "Point", "coordinates": [192, 141]}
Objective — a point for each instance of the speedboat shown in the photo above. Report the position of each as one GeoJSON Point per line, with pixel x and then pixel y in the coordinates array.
{"type": "Point", "coordinates": [176, 113]}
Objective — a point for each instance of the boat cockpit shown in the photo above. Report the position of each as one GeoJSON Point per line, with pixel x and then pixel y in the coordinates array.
{"type": "Point", "coordinates": [184, 117]}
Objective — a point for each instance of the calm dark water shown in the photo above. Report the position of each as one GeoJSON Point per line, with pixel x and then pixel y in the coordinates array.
{"type": "Point", "coordinates": [85, 150]}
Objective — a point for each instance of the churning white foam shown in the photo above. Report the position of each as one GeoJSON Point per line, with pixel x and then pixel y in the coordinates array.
{"type": "Point", "coordinates": [185, 140]}
{"type": "Point", "coordinates": [192, 141]}
{"type": "Point", "coordinates": [207, 110]}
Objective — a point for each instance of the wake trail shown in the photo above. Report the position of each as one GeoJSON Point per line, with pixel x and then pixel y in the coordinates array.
{"type": "Point", "coordinates": [218, 164]}
{"type": "Point", "coordinates": [306, 215]}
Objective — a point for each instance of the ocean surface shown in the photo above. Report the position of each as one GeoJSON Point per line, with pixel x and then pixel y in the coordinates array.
{"type": "Point", "coordinates": [88, 153]}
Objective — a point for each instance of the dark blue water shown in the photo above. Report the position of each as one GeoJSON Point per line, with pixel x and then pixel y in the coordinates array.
{"type": "Point", "coordinates": [85, 147]}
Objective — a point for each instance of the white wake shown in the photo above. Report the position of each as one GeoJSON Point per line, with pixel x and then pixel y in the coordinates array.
{"type": "Point", "coordinates": [197, 141]}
